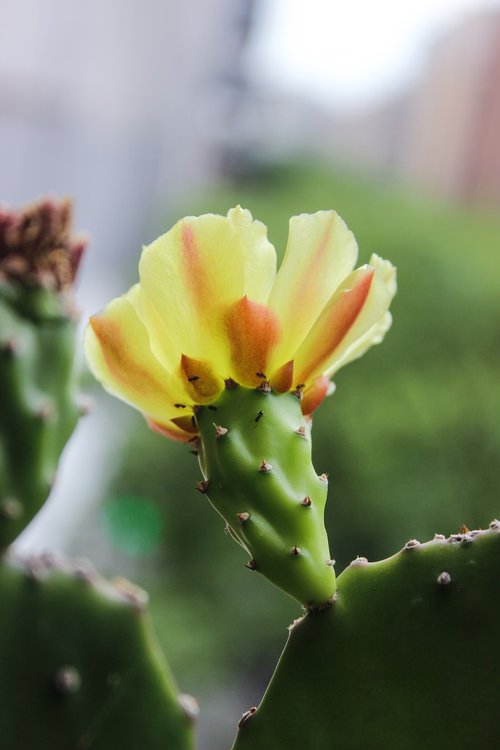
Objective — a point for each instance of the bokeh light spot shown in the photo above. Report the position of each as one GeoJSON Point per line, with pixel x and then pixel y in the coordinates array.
{"type": "Point", "coordinates": [133, 524]}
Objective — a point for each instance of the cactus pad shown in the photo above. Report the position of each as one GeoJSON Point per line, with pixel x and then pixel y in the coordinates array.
{"type": "Point", "coordinates": [38, 260]}
{"type": "Point", "coordinates": [405, 658]}
{"type": "Point", "coordinates": [255, 456]}
{"type": "Point", "coordinates": [80, 667]}
{"type": "Point", "coordinates": [39, 403]}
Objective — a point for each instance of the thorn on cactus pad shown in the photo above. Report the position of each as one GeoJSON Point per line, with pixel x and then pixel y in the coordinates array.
{"type": "Point", "coordinates": [495, 525]}
{"type": "Point", "coordinates": [301, 431]}
{"type": "Point", "coordinates": [439, 538]}
{"type": "Point", "coordinates": [11, 509]}
{"type": "Point", "coordinates": [359, 562]}
{"type": "Point", "coordinates": [412, 544]}
{"type": "Point", "coordinates": [299, 391]}
{"type": "Point", "coordinates": [323, 478]}
{"type": "Point", "coordinates": [203, 486]}
{"type": "Point", "coordinates": [265, 466]}
{"type": "Point", "coordinates": [259, 415]}
{"type": "Point", "coordinates": [295, 551]}
{"type": "Point", "coordinates": [46, 412]}
{"type": "Point", "coordinates": [189, 705]}
{"type": "Point", "coordinates": [456, 538]}
{"type": "Point", "coordinates": [315, 608]}
{"type": "Point", "coordinates": [220, 431]}
{"type": "Point", "coordinates": [306, 502]}
{"type": "Point", "coordinates": [230, 384]}
{"type": "Point", "coordinates": [444, 578]}
{"type": "Point", "coordinates": [9, 347]}
{"type": "Point", "coordinates": [330, 562]}
{"type": "Point", "coordinates": [264, 387]}
{"type": "Point", "coordinates": [33, 569]}
{"type": "Point", "coordinates": [84, 405]}
{"type": "Point", "coordinates": [243, 517]}
{"type": "Point", "coordinates": [67, 680]}
{"type": "Point", "coordinates": [52, 560]}
{"type": "Point", "coordinates": [84, 571]}
{"type": "Point", "coordinates": [246, 716]}
{"type": "Point", "coordinates": [251, 565]}
{"type": "Point", "coordinates": [133, 595]}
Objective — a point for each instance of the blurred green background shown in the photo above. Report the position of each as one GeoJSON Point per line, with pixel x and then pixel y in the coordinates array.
{"type": "Point", "coordinates": [410, 439]}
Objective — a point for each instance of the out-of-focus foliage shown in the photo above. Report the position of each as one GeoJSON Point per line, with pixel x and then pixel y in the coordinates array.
{"type": "Point", "coordinates": [411, 438]}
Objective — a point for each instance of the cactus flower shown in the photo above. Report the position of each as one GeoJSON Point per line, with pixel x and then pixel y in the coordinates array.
{"type": "Point", "coordinates": [209, 315]}
{"type": "Point", "coordinates": [210, 309]}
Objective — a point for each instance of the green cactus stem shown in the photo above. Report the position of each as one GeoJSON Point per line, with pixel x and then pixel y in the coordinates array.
{"type": "Point", "coordinates": [81, 669]}
{"type": "Point", "coordinates": [38, 381]}
{"type": "Point", "coordinates": [255, 455]}
{"type": "Point", "coordinates": [405, 658]}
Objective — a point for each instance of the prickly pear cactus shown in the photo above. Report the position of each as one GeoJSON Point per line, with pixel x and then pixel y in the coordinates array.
{"type": "Point", "coordinates": [80, 667]}
{"type": "Point", "coordinates": [38, 383]}
{"type": "Point", "coordinates": [255, 455]}
{"type": "Point", "coordinates": [405, 658]}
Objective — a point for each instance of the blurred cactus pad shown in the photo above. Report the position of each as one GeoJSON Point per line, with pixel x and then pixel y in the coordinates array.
{"type": "Point", "coordinates": [39, 258]}
{"type": "Point", "coordinates": [80, 666]}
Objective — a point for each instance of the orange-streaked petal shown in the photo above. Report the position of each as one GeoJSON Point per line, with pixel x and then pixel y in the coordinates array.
{"type": "Point", "coordinates": [356, 345]}
{"type": "Point", "coordinates": [316, 394]}
{"type": "Point", "coordinates": [356, 308]}
{"type": "Point", "coordinates": [252, 333]}
{"type": "Point", "coordinates": [200, 379]}
{"type": "Point", "coordinates": [333, 325]}
{"type": "Point", "coordinates": [191, 274]}
{"type": "Point", "coordinates": [321, 251]}
{"type": "Point", "coordinates": [375, 335]}
{"type": "Point", "coordinates": [170, 430]}
{"type": "Point", "coordinates": [282, 380]}
{"type": "Point", "coordinates": [118, 352]}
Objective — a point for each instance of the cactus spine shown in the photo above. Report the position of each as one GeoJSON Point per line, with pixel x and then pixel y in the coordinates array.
{"type": "Point", "coordinates": [255, 455]}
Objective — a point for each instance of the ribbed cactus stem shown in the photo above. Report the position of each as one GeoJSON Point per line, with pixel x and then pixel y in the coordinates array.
{"type": "Point", "coordinates": [255, 456]}
{"type": "Point", "coordinates": [39, 257]}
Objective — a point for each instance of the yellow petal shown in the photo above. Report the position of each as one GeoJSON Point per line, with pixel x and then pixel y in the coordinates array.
{"type": "Point", "coordinates": [374, 335]}
{"type": "Point", "coordinates": [356, 309]}
{"type": "Point", "coordinates": [259, 255]}
{"type": "Point", "coordinates": [192, 274]}
{"type": "Point", "coordinates": [282, 379]}
{"type": "Point", "coordinates": [200, 379]}
{"type": "Point", "coordinates": [321, 251]}
{"type": "Point", "coordinates": [316, 394]}
{"type": "Point", "coordinates": [252, 332]}
{"type": "Point", "coordinates": [118, 352]}
{"type": "Point", "coordinates": [170, 430]}
{"type": "Point", "coordinates": [355, 346]}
